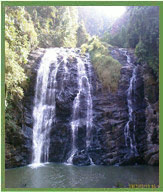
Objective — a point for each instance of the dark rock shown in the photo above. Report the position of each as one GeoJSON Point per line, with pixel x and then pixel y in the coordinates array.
{"type": "Point", "coordinates": [81, 158]}
{"type": "Point", "coordinates": [154, 160]}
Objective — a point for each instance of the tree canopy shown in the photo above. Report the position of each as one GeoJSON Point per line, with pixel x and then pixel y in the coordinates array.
{"type": "Point", "coordinates": [138, 29]}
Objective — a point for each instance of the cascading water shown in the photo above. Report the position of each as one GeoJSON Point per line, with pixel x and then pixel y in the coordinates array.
{"type": "Point", "coordinates": [44, 112]}
{"type": "Point", "coordinates": [130, 136]}
{"type": "Point", "coordinates": [89, 108]}
{"type": "Point", "coordinates": [44, 106]}
{"type": "Point", "coordinates": [84, 88]}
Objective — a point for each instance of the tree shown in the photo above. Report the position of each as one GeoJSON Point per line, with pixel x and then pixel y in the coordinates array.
{"type": "Point", "coordinates": [66, 27]}
{"type": "Point", "coordinates": [20, 39]}
{"type": "Point", "coordinates": [139, 29]}
{"type": "Point", "coordinates": [82, 35]}
{"type": "Point", "coordinates": [144, 30]}
{"type": "Point", "coordinates": [56, 25]}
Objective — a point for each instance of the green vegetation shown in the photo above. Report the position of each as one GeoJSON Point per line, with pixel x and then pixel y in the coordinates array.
{"type": "Point", "coordinates": [146, 31]}
{"type": "Point", "coordinates": [55, 26]}
{"type": "Point", "coordinates": [119, 39]}
{"type": "Point", "coordinates": [139, 29]}
{"type": "Point", "coordinates": [108, 69]}
{"type": "Point", "coordinates": [20, 39]}
{"type": "Point", "coordinates": [82, 35]}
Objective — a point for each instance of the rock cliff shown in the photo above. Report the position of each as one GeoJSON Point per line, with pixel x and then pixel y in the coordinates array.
{"type": "Point", "coordinates": [110, 116]}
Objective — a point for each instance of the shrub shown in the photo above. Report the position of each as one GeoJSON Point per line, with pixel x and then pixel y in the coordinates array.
{"type": "Point", "coordinates": [107, 68]}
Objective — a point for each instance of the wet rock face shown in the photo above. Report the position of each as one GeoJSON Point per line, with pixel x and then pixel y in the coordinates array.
{"type": "Point", "coordinates": [60, 135]}
{"type": "Point", "coordinates": [110, 115]}
{"type": "Point", "coordinates": [81, 158]}
{"type": "Point", "coordinates": [28, 100]}
{"type": "Point", "coordinates": [16, 151]}
{"type": "Point", "coordinates": [66, 89]}
{"type": "Point", "coordinates": [151, 89]}
{"type": "Point", "coordinates": [19, 145]}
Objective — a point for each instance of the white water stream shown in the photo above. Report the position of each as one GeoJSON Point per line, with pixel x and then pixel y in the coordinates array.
{"type": "Point", "coordinates": [44, 106]}
{"type": "Point", "coordinates": [44, 111]}
{"type": "Point", "coordinates": [127, 132]}
{"type": "Point", "coordinates": [84, 87]}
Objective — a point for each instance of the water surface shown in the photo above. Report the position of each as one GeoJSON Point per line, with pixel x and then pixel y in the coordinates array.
{"type": "Point", "coordinates": [55, 175]}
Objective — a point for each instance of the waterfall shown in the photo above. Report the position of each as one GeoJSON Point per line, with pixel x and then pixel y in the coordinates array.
{"type": "Point", "coordinates": [89, 109]}
{"type": "Point", "coordinates": [44, 111]}
{"type": "Point", "coordinates": [44, 106]}
{"type": "Point", "coordinates": [84, 88]}
{"type": "Point", "coordinates": [130, 99]}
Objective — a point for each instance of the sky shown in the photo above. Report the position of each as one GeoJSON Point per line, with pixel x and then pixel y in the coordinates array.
{"type": "Point", "coordinates": [111, 11]}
